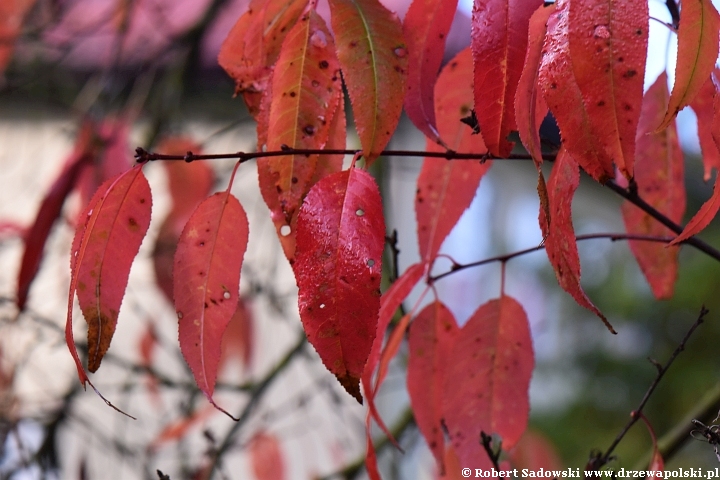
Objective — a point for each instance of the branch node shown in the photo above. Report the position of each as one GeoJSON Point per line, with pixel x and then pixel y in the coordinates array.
{"type": "Point", "coordinates": [189, 157]}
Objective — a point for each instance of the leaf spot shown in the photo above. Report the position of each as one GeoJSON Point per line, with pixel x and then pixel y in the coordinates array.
{"type": "Point", "coordinates": [309, 130]}
{"type": "Point", "coordinates": [323, 64]}
{"type": "Point", "coordinates": [601, 31]}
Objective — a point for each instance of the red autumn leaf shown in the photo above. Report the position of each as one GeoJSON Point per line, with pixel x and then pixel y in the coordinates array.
{"type": "Point", "coordinates": [50, 208]}
{"type": "Point", "coordinates": [238, 338]}
{"type": "Point", "coordinates": [697, 53]}
{"type": "Point", "coordinates": [487, 378]}
{"type": "Point", "coordinates": [266, 457]}
{"type": "Point", "coordinates": [560, 243]}
{"type": "Point", "coordinates": [608, 42]}
{"type": "Point", "coordinates": [657, 464]}
{"type": "Point", "coordinates": [534, 451]}
{"type": "Point", "coordinates": [337, 138]}
{"type": "Point", "coordinates": [12, 14]}
{"type": "Point", "coordinates": [306, 85]}
{"type": "Point", "coordinates": [373, 56]}
{"type": "Point", "coordinates": [178, 429]}
{"type": "Point", "coordinates": [253, 45]}
{"type": "Point", "coordinates": [564, 98]}
{"type": "Point", "coordinates": [207, 277]}
{"type": "Point", "coordinates": [115, 223]}
{"type": "Point", "coordinates": [527, 94]}
{"type": "Point", "coordinates": [446, 189]}
{"type": "Point", "coordinates": [425, 28]}
{"type": "Point", "coordinates": [703, 217]}
{"type": "Point", "coordinates": [340, 239]}
{"type": "Point", "coordinates": [499, 42]}
{"type": "Point", "coordinates": [703, 106]}
{"type": "Point", "coordinates": [432, 335]}
{"type": "Point", "coordinates": [660, 181]}
{"type": "Point", "coordinates": [146, 351]}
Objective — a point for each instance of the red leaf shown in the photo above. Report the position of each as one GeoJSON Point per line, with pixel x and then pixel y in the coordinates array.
{"type": "Point", "coordinates": [432, 335]}
{"type": "Point", "coordinates": [116, 221]}
{"type": "Point", "coordinates": [560, 243]}
{"type": "Point", "coordinates": [306, 93]}
{"type": "Point", "coordinates": [12, 14]}
{"type": "Point", "coordinates": [526, 97]}
{"type": "Point", "coordinates": [660, 180]}
{"type": "Point", "coordinates": [499, 41]}
{"type": "Point", "coordinates": [534, 451]}
{"type": "Point", "coordinates": [146, 351]}
{"type": "Point", "coordinates": [50, 208]}
{"type": "Point", "coordinates": [340, 239]}
{"type": "Point", "coordinates": [608, 47]}
{"type": "Point", "coordinates": [266, 457]}
{"type": "Point", "coordinates": [425, 28]}
{"type": "Point", "coordinates": [703, 107]}
{"type": "Point", "coordinates": [564, 98]}
{"type": "Point", "coordinates": [657, 464]}
{"type": "Point", "coordinates": [446, 189]}
{"type": "Point", "coordinates": [373, 55]}
{"type": "Point", "coordinates": [487, 378]}
{"type": "Point", "coordinates": [179, 428]}
{"type": "Point", "coordinates": [253, 45]}
{"type": "Point", "coordinates": [207, 277]}
{"type": "Point", "coordinates": [703, 217]}
{"type": "Point", "coordinates": [697, 53]}
{"type": "Point", "coordinates": [238, 338]}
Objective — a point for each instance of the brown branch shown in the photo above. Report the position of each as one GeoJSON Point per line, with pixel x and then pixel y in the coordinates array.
{"type": "Point", "coordinates": [598, 461]}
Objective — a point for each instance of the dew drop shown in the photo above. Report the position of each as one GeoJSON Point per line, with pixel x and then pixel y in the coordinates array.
{"type": "Point", "coordinates": [322, 305]}
{"type": "Point", "coordinates": [309, 130]}
{"type": "Point", "coordinates": [359, 212]}
{"type": "Point", "coordinates": [400, 52]}
{"type": "Point", "coordinates": [315, 83]}
{"type": "Point", "coordinates": [285, 230]}
{"type": "Point", "coordinates": [180, 315]}
{"type": "Point", "coordinates": [370, 262]}
{"type": "Point", "coordinates": [601, 31]}
{"type": "Point", "coordinates": [321, 118]}
{"type": "Point", "coordinates": [318, 39]}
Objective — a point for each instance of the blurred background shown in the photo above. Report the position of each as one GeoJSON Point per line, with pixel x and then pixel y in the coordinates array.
{"type": "Point", "coordinates": [144, 73]}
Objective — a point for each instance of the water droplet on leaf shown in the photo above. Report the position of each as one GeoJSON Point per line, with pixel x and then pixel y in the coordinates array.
{"type": "Point", "coordinates": [400, 52]}
{"type": "Point", "coordinates": [285, 230]}
{"type": "Point", "coordinates": [601, 31]}
{"type": "Point", "coordinates": [360, 212]}
{"type": "Point", "coordinates": [180, 315]}
{"type": "Point", "coordinates": [226, 295]}
{"type": "Point", "coordinates": [317, 39]}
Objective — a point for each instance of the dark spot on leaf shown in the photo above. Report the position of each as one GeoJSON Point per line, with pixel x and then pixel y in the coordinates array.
{"type": "Point", "coordinates": [601, 103]}
{"type": "Point", "coordinates": [309, 130]}
{"type": "Point", "coordinates": [638, 31]}
{"type": "Point", "coordinates": [323, 64]}
{"type": "Point", "coordinates": [353, 44]}
{"type": "Point", "coordinates": [441, 36]}
{"type": "Point", "coordinates": [621, 59]}
{"type": "Point", "coordinates": [201, 244]}
{"type": "Point", "coordinates": [142, 200]}
{"type": "Point", "coordinates": [627, 107]}
{"type": "Point", "coordinates": [629, 74]}
{"type": "Point", "coordinates": [294, 180]}
{"type": "Point", "coordinates": [292, 94]}
{"type": "Point", "coordinates": [133, 223]}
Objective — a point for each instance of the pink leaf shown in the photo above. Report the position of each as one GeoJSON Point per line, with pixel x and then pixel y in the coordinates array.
{"type": "Point", "coordinates": [266, 457]}
{"type": "Point", "coordinates": [487, 378]}
{"type": "Point", "coordinates": [207, 276]}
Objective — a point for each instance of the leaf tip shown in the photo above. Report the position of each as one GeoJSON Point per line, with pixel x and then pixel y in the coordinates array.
{"type": "Point", "coordinates": [351, 384]}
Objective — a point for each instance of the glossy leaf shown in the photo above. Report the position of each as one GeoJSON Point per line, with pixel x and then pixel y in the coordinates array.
{"type": "Point", "coordinates": [340, 239]}
{"type": "Point", "coordinates": [697, 53]}
{"type": "Point", "coordinates": [527, 94]}
{"type": "Point", "coordinates": [431, 339]}
{"type": "Point", "coordinates": [564, 98]}
{"type": "Point", "coordinates": [306, 86]}
{"type": "Point", "coordinates": [703, 106]}
{"type": "Point", "coordinates": [487, 378]}
{"type": "Point", "coordinates": [425, 28]}
{"type": "Point", "coordinates": [207, 276]}
{"type": "Point", "coordinates": [253, 45]}
{"type": "Point", "coordinates": [660, 181]}
{"type": "Point", "coordinates": [49, 211]}
{"type": "Point", "coordinates": [560, 243]}
{"type": "Point", "coordinates": [266, 457]}
{"type": "Point", "coordinates": [446, 189]}
{"type": "Point", "coordinates": [703, 217]}
{"type": "Point", "coordinates": [116, 221]}
{"type": "Point", "coordinates": [608, 42]}
{"type": "Point", "coordinates": [373, 56]}
{"type": "Point", "coordinates": [499, 42]}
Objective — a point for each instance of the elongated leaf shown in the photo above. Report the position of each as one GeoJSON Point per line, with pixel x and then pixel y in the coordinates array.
{"type": "Point", "coordinates": [527, 95]}
{"type": "Point", "coordinates": [432, 336]}
{"type": "Point", "coordinates": [266, 457]}
{"type": "Point", "coordinates": [373, 56]}
{"type": "Point", "coordinates": [608, 41]}
{"type": "Point", "coordinates": [565, 100]}
{"type": "Point", "coordinates": [660, 180]}
{"type": "Point", "coordinates": [703, 106]}
{"type": "Point", "coordinates": [105, 245]}
{"type": "Point", "coordinates": [50, 208]}
{"type": "Point", "coordinates": [206, 282]}
{"type": "Point", "coordinates": [306, 86]}
{"type": "Point", "coordinates": [487, 378]}
{"type": "Point", "coordinates": [340, 239]}
{"type": "Point", "coordinates": [425, 28]}
{"type": "Point", "coordinates": [253, 45]}
{"type": "Point", "coordinates": [703, 217]}
{"type": "Point", "coordinates": [697, 53]}
{"type": "Point", "coordinates": [560, 243]}
{"type": "Point", "coordinates": [177, 429]}
{"type": "Point", "coordinates": [446, 189]}
{"type": "Point", "coordinates": [499, 42]}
